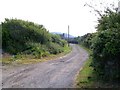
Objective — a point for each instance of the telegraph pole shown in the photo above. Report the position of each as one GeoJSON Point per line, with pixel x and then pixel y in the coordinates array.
{"type": "Point", "coordinates": [68, 35]}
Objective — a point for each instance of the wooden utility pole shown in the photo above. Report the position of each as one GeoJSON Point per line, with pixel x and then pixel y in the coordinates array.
{"type": "Point", "coordinates": [68, 35]}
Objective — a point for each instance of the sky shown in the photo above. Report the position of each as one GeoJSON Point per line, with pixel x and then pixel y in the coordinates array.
{"type": "Point", "coordinates": [55, 15]}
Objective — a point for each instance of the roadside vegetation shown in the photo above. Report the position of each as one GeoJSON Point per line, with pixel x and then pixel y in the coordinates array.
{"type": "Point", "coordinates": [102, 68]}
{"type": "Point", "coordinates": [24, 40]}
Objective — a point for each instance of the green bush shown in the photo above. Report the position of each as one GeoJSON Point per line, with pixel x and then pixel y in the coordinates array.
{"type": "Point", "coordinates": [23, 37]}
{"type": "Point", "coordinates": [105, 45]}
{"type": "Point", "coordinates": [55, 48]}
{"type": "Point", "coordinates": [106, 48]}
{"type": "Point", "coordinates": [16, 33]}
{"type": "Point", "coordinates": [57, 39]}
{"type": "Point", "coordinates": [87, 40]}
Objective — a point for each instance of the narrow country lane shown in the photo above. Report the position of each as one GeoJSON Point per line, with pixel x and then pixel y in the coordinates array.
{"type": "Point", "coordinates": [58, 73]}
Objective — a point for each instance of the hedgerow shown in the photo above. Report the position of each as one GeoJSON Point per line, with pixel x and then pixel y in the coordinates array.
{"type": "Point", "coordinates": [105, 46]}
{"type": "Point", "coordinates": [19, 36]}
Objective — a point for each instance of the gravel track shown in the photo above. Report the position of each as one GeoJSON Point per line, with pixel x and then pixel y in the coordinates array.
{"type": "Point", "coordinates": [59, 73]}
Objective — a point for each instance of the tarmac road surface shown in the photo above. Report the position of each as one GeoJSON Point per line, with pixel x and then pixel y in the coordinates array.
{"type": "Point", "coordinates": [58, 73]}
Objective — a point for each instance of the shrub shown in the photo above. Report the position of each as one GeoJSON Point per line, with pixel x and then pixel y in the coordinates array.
{"type": "Point", "coordinates": [23, 37]}
{"type": "Point", "coordinates": [87, 40]}
{"type": "Point", "coordinates": [55, 48]}
{"type": "Point", "coordinates": [16, 33]}
{"type": "Point", "coordinates": [106, 48]}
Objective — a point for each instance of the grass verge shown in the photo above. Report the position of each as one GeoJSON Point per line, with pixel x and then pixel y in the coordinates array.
{"type": "Point", "coordinates": [84, 77]}
{"type": "Point", "coordinates": [87, 78]}
{"type": "Point", "coordinates": [28, 59]}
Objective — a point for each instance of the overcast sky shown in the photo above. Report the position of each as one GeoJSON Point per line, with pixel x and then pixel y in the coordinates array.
{"type": "Point", "coordinates": [55, 15]}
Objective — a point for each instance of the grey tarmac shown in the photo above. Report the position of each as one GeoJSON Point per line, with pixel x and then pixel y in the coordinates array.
{"type": "Point", "coordinates": [59, 73]}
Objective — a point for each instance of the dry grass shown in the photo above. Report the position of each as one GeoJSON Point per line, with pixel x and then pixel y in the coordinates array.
{"type": "Point", "coordinates": [28, 59]}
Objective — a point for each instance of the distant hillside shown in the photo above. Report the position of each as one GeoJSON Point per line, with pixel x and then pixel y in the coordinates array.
{"type": "Point", "coordinates": [63, 35]}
